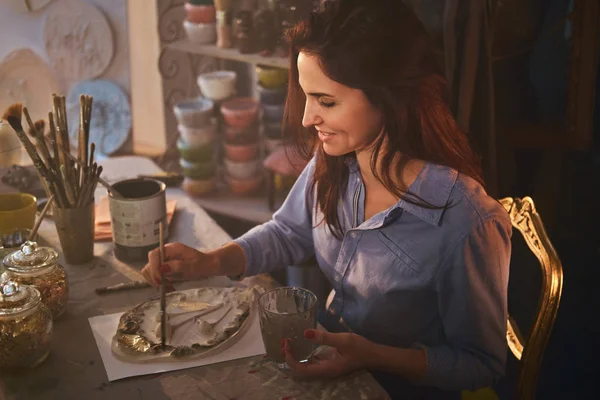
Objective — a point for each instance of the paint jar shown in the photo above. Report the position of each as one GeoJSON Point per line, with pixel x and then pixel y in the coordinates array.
{"type": "Point", "coordinates": [25, 326]}
{"type": "Point", "coordinates": [135, 217]}
{"type": "Point", "coordinates": [38, 266]}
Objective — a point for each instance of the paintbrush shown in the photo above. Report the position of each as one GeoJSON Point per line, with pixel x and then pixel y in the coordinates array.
{"type": "Point", "coordinates": [123, 286]}
{"type": "Point", "coordinates": [163, 298]}
{"type": "Point", "coordinates": [35, 228]}
{"type": "Point", "coordinates": [13, 115]}
{"type": "Point", "coordinates": [53, 142]}
{"type": "Point", "coordinates": [36, 130]}
{"type": "Point", "coordinates": [102, 181]}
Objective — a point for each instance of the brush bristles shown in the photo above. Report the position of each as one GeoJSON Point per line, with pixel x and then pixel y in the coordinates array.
{"type": "Point", "coordinates": [14, 111]}
{"type": "Point", "coordinates": [40, 126]}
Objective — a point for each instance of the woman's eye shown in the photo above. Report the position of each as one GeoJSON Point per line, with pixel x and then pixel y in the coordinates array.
{"type": "Point", "coordinates": [327, 104]}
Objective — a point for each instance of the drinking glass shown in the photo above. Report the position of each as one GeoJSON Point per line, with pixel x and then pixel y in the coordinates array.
{"type": "Point", "coordinates": [285, 313]}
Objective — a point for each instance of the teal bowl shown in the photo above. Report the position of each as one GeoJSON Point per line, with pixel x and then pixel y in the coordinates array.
{"type": "Point", "coordinates": [197, 154]}
{"type": "Point", "coordinates": [198, 171]}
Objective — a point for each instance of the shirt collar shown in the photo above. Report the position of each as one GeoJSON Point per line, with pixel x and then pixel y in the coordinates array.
{"type": "Point", "coordinates": [433, 184]}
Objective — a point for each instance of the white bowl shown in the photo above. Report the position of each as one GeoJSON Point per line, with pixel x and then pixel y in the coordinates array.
{"type": "Point", "coordinates": [196, 137]}
{"type": "Point", "coordinates": [201, 33]}
{"type": "Point", "coordinates": [217, 85]}
{"type": "Point", "coordinates": [194, 113]}
{"type": "Point", "coordinates": [242, 170]}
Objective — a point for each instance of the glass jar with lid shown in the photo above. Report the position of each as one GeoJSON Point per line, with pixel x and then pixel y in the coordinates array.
{"type": "Point", "coordinates": [38, 267]}
{"type": "Point", "coordinates": [25, 326]}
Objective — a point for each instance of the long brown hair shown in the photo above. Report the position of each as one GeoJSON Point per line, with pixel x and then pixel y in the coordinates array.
{"type": "Point", "coordinates": [381, 48]}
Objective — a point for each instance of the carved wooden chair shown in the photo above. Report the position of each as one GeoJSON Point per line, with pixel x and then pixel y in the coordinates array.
{"type": "Point", "coordinates": [530, 351]}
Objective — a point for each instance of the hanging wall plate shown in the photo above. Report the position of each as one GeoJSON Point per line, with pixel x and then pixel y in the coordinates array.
{"type": "Point", "coordinates": [24, 6]}
{"type": "Point", "coordinates": [78, 40]}
{"type": "Point", "coordinates": [111, 115]}
{"type": "Point", "coordinates": [25, 77]}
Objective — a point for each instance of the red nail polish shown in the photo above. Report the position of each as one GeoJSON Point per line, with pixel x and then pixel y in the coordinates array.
{"type": "Point", "coordinates": [165, 268]}
{"type": "Point", "coordinates": [309, 334]}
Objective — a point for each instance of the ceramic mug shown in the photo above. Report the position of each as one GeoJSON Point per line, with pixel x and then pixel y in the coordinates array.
{"type": "Point", "coordinates": [17, 211]}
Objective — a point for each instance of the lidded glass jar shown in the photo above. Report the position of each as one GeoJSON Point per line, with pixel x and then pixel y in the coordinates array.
{"type": "Point", "coordinates": [38, 267]}
{"type": "Point", "coordinates": [25, 326]}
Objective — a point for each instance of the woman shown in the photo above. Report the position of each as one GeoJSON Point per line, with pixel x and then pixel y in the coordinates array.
{"type": "Point", "coordinates": [392, 206]}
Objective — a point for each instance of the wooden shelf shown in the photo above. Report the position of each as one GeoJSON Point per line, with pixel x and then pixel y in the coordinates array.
{"type": "Point", "coordinates": [228, 54]}
{"type": "Point", "coordinates": [253, 209]}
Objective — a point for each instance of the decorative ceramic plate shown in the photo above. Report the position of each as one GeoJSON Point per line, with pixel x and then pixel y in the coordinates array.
{"type": "Point", "coordinates": [25, 77]}
{"type": "Point", "coordinates": [111, 115]}
{"type": "Point", "coordinates": [78, 40]}
{"type": "Point", "coordinates": [34, 5]}
{"type": "Point", "coordinates": [200, 322]}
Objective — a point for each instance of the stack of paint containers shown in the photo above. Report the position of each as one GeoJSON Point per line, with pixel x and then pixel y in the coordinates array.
{"type": "Point", "coordinates": [200, 21]}
{"type": "Point", "coordinates": [196, 144]}
{"type": "Point", "coordinates": [272, 90]}
{"type": "Point", "coordinates": [242, 161]}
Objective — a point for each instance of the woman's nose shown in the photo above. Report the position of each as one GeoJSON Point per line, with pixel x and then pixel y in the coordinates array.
{"type": "Point", "coordinates": [310, 116]}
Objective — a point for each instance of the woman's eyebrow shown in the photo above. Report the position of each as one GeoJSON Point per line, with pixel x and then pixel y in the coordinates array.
{"type": "Point", "coordinates": [319, 94]}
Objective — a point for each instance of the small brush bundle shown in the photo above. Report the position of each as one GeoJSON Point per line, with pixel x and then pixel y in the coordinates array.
{"type": "Point", "coordinates": [72, 180]}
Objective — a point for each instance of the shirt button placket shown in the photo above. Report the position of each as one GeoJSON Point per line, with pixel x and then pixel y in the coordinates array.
{"type": "Point", "coordinates": [346, 254]}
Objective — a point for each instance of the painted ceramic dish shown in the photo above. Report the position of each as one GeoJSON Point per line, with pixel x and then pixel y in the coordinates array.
{"type": "Point", "coordinates": [26, 77]}
{"type": "Point", "coordinates": [78, 40]}
{"type": "Point", "coordinates": [200, 322]}
{"type": "Point", "coordinates": [111, 115]}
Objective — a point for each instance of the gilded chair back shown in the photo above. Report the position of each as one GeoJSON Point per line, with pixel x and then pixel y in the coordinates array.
{"type": "Point", "coordinates": [530, 351]}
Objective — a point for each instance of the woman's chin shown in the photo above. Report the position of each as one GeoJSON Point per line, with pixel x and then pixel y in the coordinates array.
{"type": "Point", "coordinates": [333, 150]}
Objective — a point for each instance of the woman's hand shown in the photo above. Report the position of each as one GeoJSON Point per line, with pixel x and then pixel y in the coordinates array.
{"type": "Point", "coordinates": [348, 352]}
{"type": "Point", "coordinates": [181, 263]}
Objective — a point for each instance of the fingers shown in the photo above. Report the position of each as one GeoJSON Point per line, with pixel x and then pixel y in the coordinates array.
{"type": "Point", "coordinates": [150, 271]}
{"type": "Point", "coordinates": [329, 368]}
{"type": "Point", "coordinates": [325, 338]}
{"type": "Point", "coordinates": [173, 267]}
{"type": "Point", "coordinates": [146, 274]}
{"type": "Point", "coordinates": [173, 251]}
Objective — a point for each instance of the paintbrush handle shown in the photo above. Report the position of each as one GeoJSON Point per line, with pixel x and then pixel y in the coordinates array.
{"type": "Point", "coordinates": [122, 286]}
{"type": "Point", "coordinates": [102, 181]}
{"type": "Point", "coordinates": [43, 149]}
{"type": "Point", "coordinates": [163, 293]}
{"type": "Point", "coordinates": [35, 228]}
{"type": "Point", "coordinates": [30, 148]}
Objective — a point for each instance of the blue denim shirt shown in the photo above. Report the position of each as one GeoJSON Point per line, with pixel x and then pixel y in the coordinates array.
{"type": "Point", "coordinates": [407, 276]}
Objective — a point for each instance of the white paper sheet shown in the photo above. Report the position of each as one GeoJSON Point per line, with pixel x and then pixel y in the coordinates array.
{"type": "Point", "coordinates": [105, 326]}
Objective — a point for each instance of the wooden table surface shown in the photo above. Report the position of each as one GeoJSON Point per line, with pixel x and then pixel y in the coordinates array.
{"type": "Point", "coordinates": [74, 369]}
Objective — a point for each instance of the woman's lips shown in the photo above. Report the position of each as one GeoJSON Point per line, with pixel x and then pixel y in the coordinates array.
{"type": "Point", "coordinates": [325, 136]}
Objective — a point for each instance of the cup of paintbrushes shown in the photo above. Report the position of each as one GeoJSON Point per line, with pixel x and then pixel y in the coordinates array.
{"type": "Point", "coordinates": [75, 228]}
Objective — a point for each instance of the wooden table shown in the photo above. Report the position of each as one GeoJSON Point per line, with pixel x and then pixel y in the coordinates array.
{"type": "Point", "coordinates": [74, 369]}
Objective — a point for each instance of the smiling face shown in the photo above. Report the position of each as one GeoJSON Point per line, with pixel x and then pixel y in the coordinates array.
{"type": "Point", "coordinates": [345, 120]}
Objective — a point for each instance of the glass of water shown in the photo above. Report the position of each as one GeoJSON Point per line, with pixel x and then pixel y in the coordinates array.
{"type": "Point", "coordinates": [285, 313]}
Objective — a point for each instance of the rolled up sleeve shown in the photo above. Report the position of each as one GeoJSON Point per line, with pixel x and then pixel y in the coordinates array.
{"type": "Point", "coordinates": [472, 293]}
{"type": "Point", "coordinates": [287, 238]}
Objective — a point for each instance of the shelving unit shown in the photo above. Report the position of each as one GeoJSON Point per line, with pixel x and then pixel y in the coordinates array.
{"type": "Point", "coordinates": [228, 54]}
{"type": "Point", "coordinates": [255, 208]}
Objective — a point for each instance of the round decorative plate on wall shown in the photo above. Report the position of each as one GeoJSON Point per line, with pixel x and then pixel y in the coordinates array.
{"type": "Point", "coordinates": [111, 115]}
{"type": "Point", "coordinates": [78, 40]}
{"type": "Point", "coordinates": [25, 77]}
{"type": "Point", "coordinates": [35, 5]}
